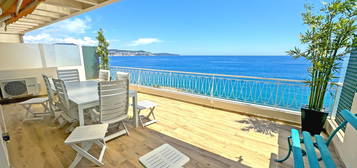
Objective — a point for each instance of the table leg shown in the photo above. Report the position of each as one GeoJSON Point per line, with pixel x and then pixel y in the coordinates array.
{"type": "Point", "coordinates": [135, 111]}
{"type": "Point", "coordinates": [80, 115]}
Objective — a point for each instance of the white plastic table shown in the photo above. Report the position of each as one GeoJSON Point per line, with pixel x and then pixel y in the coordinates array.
{"type": "Point", "coordinates": [85, 95]}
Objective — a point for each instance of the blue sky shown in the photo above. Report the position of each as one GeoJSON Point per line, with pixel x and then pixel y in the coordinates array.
{"type": "Point", "coordinates": [188, 27]}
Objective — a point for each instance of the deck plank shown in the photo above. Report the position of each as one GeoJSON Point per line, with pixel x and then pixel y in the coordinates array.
{"type": "Point", "coordinates": [210, 137]}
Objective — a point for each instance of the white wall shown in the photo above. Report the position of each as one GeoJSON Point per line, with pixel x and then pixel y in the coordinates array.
{"type": "Point", "coordinates": [49, 55]}
{"type": "Point", "coordinates": [27, 56]}
{"type": "Point", "coordinates": [19, 56]}
{"type": "Point", "coordinates": [345, 144]}
{"type": "Point", "coordinates": [348, 148]}
{"type": "Point", "coordinates": [19, 60]}
{"type": "Point", "coordinates": [70, 57]}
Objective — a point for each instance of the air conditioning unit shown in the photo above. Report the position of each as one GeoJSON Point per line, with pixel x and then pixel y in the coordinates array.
{"type": "Point", "coordinates": [15, 88]}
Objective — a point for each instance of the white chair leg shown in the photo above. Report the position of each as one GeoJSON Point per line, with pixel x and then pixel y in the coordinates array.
{"type": "Point", "coordinates": [71, 127]}
{"type": "Point", "coordinates": [83, 152]}
{"type": "Point", "coordinates": [140, 119]}
{"type": "Point", "coordinates": [117, 134]}
{"type": "Point", "coordinates": [46, 110]}
{"type": "Point", "coordinates": [125, 127]}
{"type": "Point", "coordinates": [62, 122]}
{"type": "Point", "coordinates": [57, 118]}
{"type": "Point", "coordinates": [30, 115]}
{"type": "Point", "coordinates": [86, 147]}
{"type": "Point", "coordinates": [151, 113]}
{"type": "Point", "coordinates": [52, 109]}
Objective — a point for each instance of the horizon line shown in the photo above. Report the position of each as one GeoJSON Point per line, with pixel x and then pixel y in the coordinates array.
{"type": "Point", "coordinates": [228, 55]}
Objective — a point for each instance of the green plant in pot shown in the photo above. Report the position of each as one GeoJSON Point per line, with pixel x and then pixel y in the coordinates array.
{"type": "Point", "coordinates": [102, 50]}
{"type": "Point", "coordinates": [329, 37]}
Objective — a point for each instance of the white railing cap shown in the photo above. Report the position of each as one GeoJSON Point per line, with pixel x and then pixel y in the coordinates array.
{"type": "Point", "coordinates": [212, 74]}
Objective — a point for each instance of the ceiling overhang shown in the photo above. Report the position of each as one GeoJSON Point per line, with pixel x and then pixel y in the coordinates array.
{"type": "Point", "coordinates": [22, 16]}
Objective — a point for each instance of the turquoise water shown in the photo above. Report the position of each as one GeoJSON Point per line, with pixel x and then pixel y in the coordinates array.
{"type": "Point", "coordinates": [282, 94]}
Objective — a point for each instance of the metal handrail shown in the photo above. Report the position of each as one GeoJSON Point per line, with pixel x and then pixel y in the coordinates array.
{"type": "Point", "coordinates": [281, 93]}
{"type": "Point", "coordinates": [212, 74]}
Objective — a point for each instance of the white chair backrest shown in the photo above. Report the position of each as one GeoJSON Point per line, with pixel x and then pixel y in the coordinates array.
{"type": "Point", "coordinates": [113, 100]}
{"type": "Point", "coordinates": [68, 75]}
{"type": "Point", "coordinates": [122, 75]}
{"type": "Point", "coordinates": [104, 75]}
{"type": "Point", "coordinates": [62, 95]}
{"type": "Point", "coordinates": [50, 92]}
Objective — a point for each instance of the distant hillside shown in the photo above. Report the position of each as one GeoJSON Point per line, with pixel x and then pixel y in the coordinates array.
{"type": "Point", "coordinates": [116, 52]}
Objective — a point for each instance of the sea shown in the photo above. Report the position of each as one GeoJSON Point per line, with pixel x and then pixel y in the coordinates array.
{"type": "Point", "coordinates": [281, 94]}
{"type": "Point", "coordinates": [284, 67]}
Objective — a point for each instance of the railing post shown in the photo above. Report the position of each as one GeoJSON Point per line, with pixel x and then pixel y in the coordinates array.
{"type": "Point", "coordinates": [170, 80]}
{"type": "Point", "coordinates": [336, 100]}
{"type": "Point", "coordinates": [212, 89]}
{"type": "Point", "coordinates": [276, 95]}
{"type": "Point", "coordinates": [139, 77]}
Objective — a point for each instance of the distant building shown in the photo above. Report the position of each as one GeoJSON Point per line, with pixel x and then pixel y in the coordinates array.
{"type": "Point", "coordinates": [116, 52]}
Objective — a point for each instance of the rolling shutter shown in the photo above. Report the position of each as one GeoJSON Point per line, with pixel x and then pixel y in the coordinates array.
{"type": "Point", "coordinates": [349, 87]}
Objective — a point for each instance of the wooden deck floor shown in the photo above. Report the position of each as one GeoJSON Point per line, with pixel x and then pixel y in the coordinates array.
{"type": "Point", "coordinates": [210, 137]}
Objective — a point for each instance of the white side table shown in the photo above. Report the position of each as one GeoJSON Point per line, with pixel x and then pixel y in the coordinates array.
{"type": "Point", "coordinates": [30, 114]}
{"type": "Point", "coordinates": [87, 136]}
{"type": "Point", "coordinates": [146, 104]}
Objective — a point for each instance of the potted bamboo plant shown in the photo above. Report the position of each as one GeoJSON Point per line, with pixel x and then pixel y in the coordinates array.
{"type": "Point", "coordinates": [329, 37]}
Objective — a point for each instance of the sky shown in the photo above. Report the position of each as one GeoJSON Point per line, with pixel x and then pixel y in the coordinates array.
{"type": "Point", "coordinates": [187, 27]}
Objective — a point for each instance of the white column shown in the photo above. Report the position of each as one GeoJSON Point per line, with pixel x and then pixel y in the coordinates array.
{"type": "Point", "coordinates": [346, 144]}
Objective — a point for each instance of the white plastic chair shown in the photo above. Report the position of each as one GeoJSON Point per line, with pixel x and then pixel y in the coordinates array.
{"type": "Point", "coordinates": [122, 75]}
{"type": "Point", "coordinates": [68, 110]}
{"type": "Point", "coordinates": [68, 75]}
{"type": "Point", "coordinates": [113, 105]}
{"type": "Point", "coordinates": [104, 75]}
{"type": "Point", "coordinates": [50, 95]}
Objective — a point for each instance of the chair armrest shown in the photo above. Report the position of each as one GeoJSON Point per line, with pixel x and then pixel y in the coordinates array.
{"type": "Point", "coordinates": [94, 114]}
{"type": "Point", "coordinates": [95, 111]}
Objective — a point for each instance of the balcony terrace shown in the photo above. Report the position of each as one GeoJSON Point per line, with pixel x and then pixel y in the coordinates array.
{"type": "Point", "coordinates": [217, 120]}
{"type": "Point", "coordinates": [210, 137]}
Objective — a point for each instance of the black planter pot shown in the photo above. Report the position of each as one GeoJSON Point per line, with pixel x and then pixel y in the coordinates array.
{"type": "Point", "coordinates": [312, 121]}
